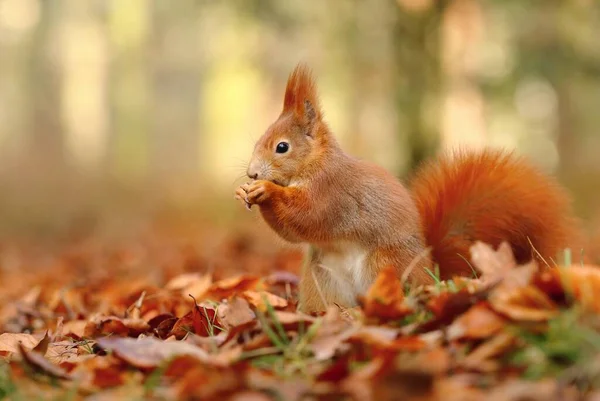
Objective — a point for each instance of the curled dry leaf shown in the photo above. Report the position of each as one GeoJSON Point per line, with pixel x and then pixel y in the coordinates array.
{"type": "Point", "coordinates": [209, 383]}
{"type": "Point", "coordinates": [150, 352]}
{"type": "Point", "coordinates": [282, 277]}
{"type": "Point", "coordinates": [182, 281]}
{"type": "Point", "coordinates": [385, 298]}
{"type": "Point", "coordinates": [62, 351]}
{"type": "Point", "coordinates": [447, 306]}
{"type": "Point", "coordinates": [9, 342]}
{"type": "Point", "coordinates": [194, 284]}
{"type": "Point", "coordinates": [478, 322]}
{"type": "Point", "coordinates": [581, 283]}
{"type": "Point", "coordinates": [37, 362]}
{"type": "Point", "coordinates": [225, 288]}
{"type": "Point", "coordinates": [492, 264]}
{"type": "Point", "coordinates": [523, 304]}
{"type": "Point", "coordinates": [250, 396]}
{"type": "Point", "coordinates": [235, 313]}
{"type": "Point", "coordinates": [261, 299]}
{"type": "Point", "coordinates": [480, 359]}
{"type": "Point", "coordinates": [74, 328]}
{"type": "Point", "coordinates": [112, 325]}
{"type": "Point", "coordinates": [201, 320]}
{"type": "Point", "coordinates": [291, 320]}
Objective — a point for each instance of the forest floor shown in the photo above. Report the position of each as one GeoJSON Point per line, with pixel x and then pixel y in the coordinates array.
{"type": "Point", "coordinates": [161, 317]}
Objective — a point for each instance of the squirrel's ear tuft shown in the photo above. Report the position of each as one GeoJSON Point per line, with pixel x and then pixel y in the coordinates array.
{"type": "Point", "coordinates": [301, 95]}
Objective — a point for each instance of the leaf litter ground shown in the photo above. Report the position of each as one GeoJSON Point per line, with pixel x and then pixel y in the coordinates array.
{"type": "Point", "coordinates": [159, 320]}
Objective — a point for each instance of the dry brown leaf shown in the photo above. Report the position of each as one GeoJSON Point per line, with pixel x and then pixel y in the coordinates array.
{"type": "Point", "coordinates": [202, 320]}
{"type": "Point", "coordinates": [447, 306]}
{"type": "Point", "coordinates": [62, 351]}
{"type": "Point", "coordinates": [9, 342]}
{"type": "Point", "coordinates": [523, 304]}
{"type": "Point", "coordinates": [202, 382]}
{"type": "Point", "coordinates": [260, 300]}
{"type": "Point", "coordinates": [385, 298]}
{"type": "Point", "coordinates": [282, 277]}
{"type": "Point", "coordinates": [37, 362]}
{"type": "Point", "coordinates": [250, 396]}
{"type": "Point", "coordinates": [480, 359]}
{"type": "Point", "coordinates": [376, 334]}
{"type": "Point", "coordinates": [225, 288]}
{"type": "Point", "coordinates": [581, 283]}
{"type": "Point", "coordinates": [235, 313]}
{"type": "Point", "coordinates": [193, 284]}
{"type": "Point", "coordinates": [291, 320]}
{"type": "Point", "coordinates": [478, 322]}
{"type": "Point", "coordinates": [112, 325]}
{"type": "Point", "coordinates": [492, 264]}
{"type": "Point", "coordinates": [75, 328]}
{"type": "Point", "coordinates": [150, 352]}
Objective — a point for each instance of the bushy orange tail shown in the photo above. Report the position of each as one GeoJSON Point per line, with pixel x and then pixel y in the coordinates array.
{"type": "Point", "coordinates": [491, 196]}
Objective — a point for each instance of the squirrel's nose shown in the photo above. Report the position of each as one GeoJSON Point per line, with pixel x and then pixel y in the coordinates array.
{"type": "Point", "coordinates": [252, 171]}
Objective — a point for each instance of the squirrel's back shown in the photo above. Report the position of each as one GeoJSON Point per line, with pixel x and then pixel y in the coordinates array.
{"type": "Point", "coordinates": [491, 196]}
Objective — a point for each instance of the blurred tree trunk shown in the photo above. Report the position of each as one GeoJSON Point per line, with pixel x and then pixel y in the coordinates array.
{"type": "Point", "coordinates": [176, 82]}
{"type": "Point", "coordinates": [419, 74]}
{"type": "Point", "coordinates": [129, 27]}
{"type": "Point", "coordinates": [45, 151]}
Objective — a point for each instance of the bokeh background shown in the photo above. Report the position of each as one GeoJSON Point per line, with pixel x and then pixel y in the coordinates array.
{"type": "Point", "coordinates": [130, 111]}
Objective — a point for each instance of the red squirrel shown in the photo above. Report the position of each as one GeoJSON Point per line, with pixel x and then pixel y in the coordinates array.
{"type": "Point", "coordinates": [358, 218]}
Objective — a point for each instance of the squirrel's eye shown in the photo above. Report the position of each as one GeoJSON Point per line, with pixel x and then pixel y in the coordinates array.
{"type": "Point", "coordinates": [282, 147]}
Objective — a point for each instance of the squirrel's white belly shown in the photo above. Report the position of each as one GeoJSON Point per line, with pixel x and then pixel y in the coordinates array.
{"type": "Point", "coordinates": [345, 266]}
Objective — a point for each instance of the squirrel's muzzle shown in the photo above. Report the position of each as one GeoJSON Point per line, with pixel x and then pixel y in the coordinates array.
{"type": "Point", "coordinates": [253, 170]}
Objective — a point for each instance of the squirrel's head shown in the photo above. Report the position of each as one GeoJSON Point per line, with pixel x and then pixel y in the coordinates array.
{"type": "Point", "coordinates": [296, 139]}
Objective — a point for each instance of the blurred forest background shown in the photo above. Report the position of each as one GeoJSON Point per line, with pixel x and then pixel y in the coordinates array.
{"type": "Point", "coordinates": [130, 110]}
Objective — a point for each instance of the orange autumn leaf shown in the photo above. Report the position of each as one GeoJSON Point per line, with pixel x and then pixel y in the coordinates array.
{"type": "Point", "coordinates": [231, 286]}
{"type": "Point", "coordinates": [579, 283]}
{"type": "Point", "coordinates": [385, 298]}
{"type": "Point", "coordinates": [478, 322]}
{"type": "Point", "coordinates": [524, 304]}
{"type": "Point", "coordinates": [150, 352]}
{"type": "Point", "coordinates": [9, 342]}
{"type": "Point", "coordinates": [261, 299]}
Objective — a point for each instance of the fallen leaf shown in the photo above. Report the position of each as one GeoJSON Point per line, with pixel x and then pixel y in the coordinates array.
{"type": "Point", "coordinates": [480, 359]}
{"type": "Point", "coordinates": [62, 351]}
{"type": "Point", "coordinates": [579, 283]}
{"type": "Point", "coordinates": [202, 320]}
{"type": "Point", "coordinates": [250, 396]}
{"type": "Point", "coordinates": [448, 306]}
{"type": "Point", "coordinates": [150, 352]}
{"type": "Point", "coordinates": [385, 298]}
{"type": "Point", "coordinates": [479, 322]}
{"type": "Point", "coordinates": [524, 304]}
{"type": "Point", "coordinates": [492, 264]}
{"type": "Point", "coordinates": [235, 312]}
{"type": "Point", "coordinates": [282, 277]}
{"type": "Point", "coordinates": [202, 382]}
{"type": "Point", "coordinates": [193, 284]}
{"type": "Point", "coordinates": [37, 362]}
{"type": "Point", "coordinates": [225, 288]}
{"type": "Point", "coordinates": [112, 325]}
{"type": "Point", "coordinates": [74, 328]}
{"type": "Point", "coordinates": [42, 346]}
{"type": "Point", "coordinates": [9, 342]}
{"type": "Point", "coordinates": [261, 299]}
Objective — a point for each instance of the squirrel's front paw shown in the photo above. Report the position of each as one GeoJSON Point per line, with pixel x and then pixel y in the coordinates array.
{"type": "Point", "coordinates": [258, 191]}
{"type": "Point", "coordinates": [241, 194]}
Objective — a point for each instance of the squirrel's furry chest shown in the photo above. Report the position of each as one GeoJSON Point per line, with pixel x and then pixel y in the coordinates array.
{"type": "Point", "coordinates": [343, 267]}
